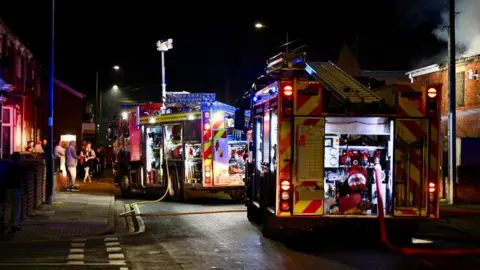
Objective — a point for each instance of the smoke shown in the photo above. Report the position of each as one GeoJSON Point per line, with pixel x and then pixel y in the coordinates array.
{"type": "Point", "coordinates": [467, 27]}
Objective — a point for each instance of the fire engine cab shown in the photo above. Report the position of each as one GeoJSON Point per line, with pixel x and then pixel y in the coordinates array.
{"type": "Point", "coordinates": [324, 149]}
{"type": "Point", "coordinates": [191, 142]}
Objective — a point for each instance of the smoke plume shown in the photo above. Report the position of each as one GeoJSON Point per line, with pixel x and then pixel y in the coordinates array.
{"type": "Point", "coordinates": [467, 27]}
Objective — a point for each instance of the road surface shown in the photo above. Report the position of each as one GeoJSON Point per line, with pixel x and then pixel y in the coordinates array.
{"type": "Point", "coordinates": [214, 241]}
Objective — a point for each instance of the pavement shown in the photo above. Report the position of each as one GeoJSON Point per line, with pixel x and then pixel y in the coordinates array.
{"type": "Point", "coordinates": [89, 212]}
{"type": "Point", "coordinates": [80, 230]}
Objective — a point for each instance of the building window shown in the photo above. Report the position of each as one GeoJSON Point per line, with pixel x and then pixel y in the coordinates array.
{"type": "Point", "coordinates": [7, 127]}
{"type": "Point", "coordinates": [460, 88]}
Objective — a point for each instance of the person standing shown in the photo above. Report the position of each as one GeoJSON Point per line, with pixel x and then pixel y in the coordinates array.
{"type": "Point", "coordinates": [89, 156]}
{"type": "Point", "coordinates": [15, 185]}
{"type": "Point", "coordinates": [71, 160]}
{"type": "Point", "coordinates": [101, 160]}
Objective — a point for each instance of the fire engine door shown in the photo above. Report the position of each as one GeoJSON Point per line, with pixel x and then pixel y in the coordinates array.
{"type": "Point", "coordinates": [411, 136]}
{"type": "Point", "coordinates": [265, 160]}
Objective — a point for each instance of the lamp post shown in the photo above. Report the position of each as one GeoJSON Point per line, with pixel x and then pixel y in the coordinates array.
{"type": "Point", "coordinates": [164, 46]}
{"type": "Point", "coordinates": [50, 183]}
{"type": "Point", "coordinates": [4, 90]}
{"type": "Point", "coordinates": [260, 25]}
{"type": "Point", "coordinates": [98, 106]}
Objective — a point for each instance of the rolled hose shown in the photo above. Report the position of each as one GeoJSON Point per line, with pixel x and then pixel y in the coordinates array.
{"type": "Point", "coordinates": [169, 188]}
{"type": "Point", "coordinates": [405, 250]}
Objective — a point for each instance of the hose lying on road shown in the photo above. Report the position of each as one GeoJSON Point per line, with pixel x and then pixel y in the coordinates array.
{"type": "Point", "coordinates": [169, 189]}
{"type": "Point", "coordinates": [191, 213]}
{"type": "Point", "coordinates": [410, 251]}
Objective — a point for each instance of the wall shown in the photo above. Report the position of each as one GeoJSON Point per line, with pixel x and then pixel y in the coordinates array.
{"type": "Point", "coordinates": [468, 109]}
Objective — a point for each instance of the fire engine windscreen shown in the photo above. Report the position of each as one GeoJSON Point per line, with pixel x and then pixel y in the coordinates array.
{"type": "Point", "coordinates": [353, 146]}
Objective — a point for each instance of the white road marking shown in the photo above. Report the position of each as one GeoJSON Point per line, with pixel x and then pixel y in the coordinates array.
{"type": "Point", "coordinates": [117, 262]}
{"type": "Point", "coordinates": [116, 256]}
{"type": "Point", "coordinates": [79, 240]}
{"type": "Point", "coordinates": [75, 256]}
{"type": "Point", "coordinates": [77, 250]}
{"type": "Point", "coordinates": [111, 244]}
{"type": "Point", "coordinates": [78, 245]}
{"type": "Point", "coordinates": [75, 262]}
{"type": "Point", "coordinates": [123, 268]}
{"type": "Point", "coordinates": [110, 239]}
{"type": "Point", "coordinates": [114, 249]}
{"type": "Point", "coordinates": [421, 241]}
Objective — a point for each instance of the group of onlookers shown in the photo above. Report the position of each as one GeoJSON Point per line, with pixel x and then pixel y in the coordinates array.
{"type": "Point", "coordinates": [66, 157]}
{"type": "Point", "coordinates": [92, 162]}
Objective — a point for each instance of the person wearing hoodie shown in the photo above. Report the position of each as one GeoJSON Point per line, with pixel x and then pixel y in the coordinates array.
{"type": "Point", "coordinates": [71, 160]}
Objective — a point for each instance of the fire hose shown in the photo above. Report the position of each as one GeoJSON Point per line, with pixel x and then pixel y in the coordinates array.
{"type": "Point", "coordinates": [406, 250]}
{"type": "Point", "coordinates": [169, 189]}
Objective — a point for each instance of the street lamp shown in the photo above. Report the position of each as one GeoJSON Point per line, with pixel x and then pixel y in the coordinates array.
{"type": "Point", "coordinates": [164, 46]}
{"type": "Point", "coordinates": [259, 25]}
{"type": "Point", "coordinates": [99, 103]}
{"type": "Point", "coordinates": [115, 87]}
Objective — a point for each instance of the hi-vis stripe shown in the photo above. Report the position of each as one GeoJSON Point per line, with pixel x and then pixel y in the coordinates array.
{"type": "Point", "coordinates": [411, 106]}
{"type": "Point", "coordinates": [173, 117]}
{"type": "Point", "coordinates": [285, 151]}
{"type": "Point", "coordinates": [408, 131]}
{"type": "Point", "coordinates": [308, 207]}
{"type": "Point", "coordinates": [219, 123]}
{"type": "Point", "coordinates": [434, 143]}
{"type": "Point", "coordinates": [207, 143]}
{"type": "Point", "coordinates": [308, 99]}
{"type": "Point", "coordinates": [220, 134]}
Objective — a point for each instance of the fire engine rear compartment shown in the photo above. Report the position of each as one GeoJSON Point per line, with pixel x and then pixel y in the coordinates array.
{"type": "Point", "coordinates": [352, 148]}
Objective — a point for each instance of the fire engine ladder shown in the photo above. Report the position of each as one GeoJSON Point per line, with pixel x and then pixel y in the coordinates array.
{"type": "Point", "coordinates": [341, 83]}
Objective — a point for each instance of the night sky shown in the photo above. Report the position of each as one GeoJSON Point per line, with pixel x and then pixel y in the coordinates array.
{"type": "Point", "coordinates": [216, 47]}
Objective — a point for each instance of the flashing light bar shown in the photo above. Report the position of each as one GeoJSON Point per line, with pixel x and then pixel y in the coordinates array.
{"type": "Point", "coordinates": [188, 98]}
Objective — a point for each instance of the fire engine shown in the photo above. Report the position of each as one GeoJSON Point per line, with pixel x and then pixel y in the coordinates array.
{"type": "Point", "coordinates": [191, 143]}
{"type": "Point", "coordinates": [321, 144]}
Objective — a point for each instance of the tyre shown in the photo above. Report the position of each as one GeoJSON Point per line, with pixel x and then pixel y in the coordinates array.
{"type": "Point", "coordinates": [269, 231]}
{"type": "Point", "coordinates": [252, 213]}
{"type": "Point", "coordinates": [125, 186]}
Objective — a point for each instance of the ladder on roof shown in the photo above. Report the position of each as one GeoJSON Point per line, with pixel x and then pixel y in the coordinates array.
{"type": "Point", "coordinates": [341, 83]}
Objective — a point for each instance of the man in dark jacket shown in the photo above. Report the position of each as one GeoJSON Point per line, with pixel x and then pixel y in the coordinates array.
{"type": "Point", "coordinates": [15, 185]}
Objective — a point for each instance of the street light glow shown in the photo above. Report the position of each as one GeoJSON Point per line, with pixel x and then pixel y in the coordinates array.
{"type": "Point", "coordinates": [116, 67]}
{"type": "Point", "coordinates": [259, 25]}
{"type": "Point", "coordinates": [115, 87]}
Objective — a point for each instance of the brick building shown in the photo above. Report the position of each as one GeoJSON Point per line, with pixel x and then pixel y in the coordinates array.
{"type": "Point", "coordinates": [25, 110]}
{"type": "Point", "coordinates": [467, 92]}
{"type": "Point", "coordinates": [467, 86]}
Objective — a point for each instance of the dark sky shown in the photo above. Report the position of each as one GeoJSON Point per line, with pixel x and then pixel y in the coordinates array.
{"type": "Point", "coordinates": [216, 48]}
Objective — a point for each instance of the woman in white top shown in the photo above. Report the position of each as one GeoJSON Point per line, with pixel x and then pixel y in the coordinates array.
{"type": "Point", "coordinates": [89, 156]}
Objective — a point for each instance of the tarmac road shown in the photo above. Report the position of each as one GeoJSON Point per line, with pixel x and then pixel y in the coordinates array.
{"type": "Point", "coordinates": [229, 241]}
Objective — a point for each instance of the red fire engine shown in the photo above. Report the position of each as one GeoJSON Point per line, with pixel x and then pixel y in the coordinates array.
{"type": "Point", "coordinates": [319, 142]}
{"type": "Point", "coordinates": [192, 145]}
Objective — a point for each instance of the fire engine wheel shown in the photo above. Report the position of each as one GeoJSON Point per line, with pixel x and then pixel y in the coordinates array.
{"type": "Point", "coordinates": [252, 213]}
{"type": "Point", "coordinates": [269, 231]}
{"type": "Point", "coordinates": [176, 192]}
{"type": "Point", "coordinates": [125, 186]}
